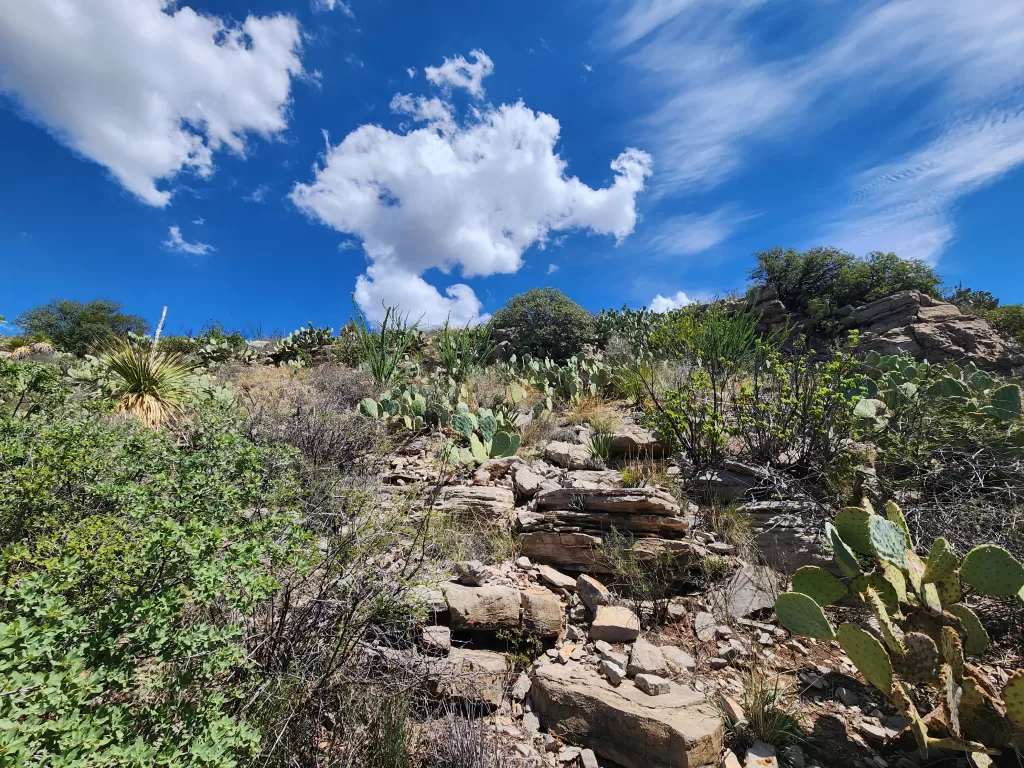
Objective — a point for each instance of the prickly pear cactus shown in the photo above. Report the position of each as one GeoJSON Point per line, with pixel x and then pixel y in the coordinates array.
{"type": "Point", "coordinates": [919, 630]}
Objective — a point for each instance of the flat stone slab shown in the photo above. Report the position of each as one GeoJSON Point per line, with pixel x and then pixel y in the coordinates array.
{"type": "Point", "coordinates": [678, 729]}
{"type": "Point", "coordinates": [470, 675]}
{"type": "Point", "coordinates": [481, 501]}
{"type": "Point", "coordinates": [615, 624]}
{"type": "Point", "coordinates": [651, 501]}
{"type": "Point", "coordinates": [752, 589]}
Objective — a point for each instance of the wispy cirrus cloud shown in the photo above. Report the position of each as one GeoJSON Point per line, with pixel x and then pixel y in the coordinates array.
{"type": "Point", "coordinates": [730, 78]}
{"type": "Point", "coordinates": [176, 242]}
{"type": "Point", "coordinates": [688, 234]}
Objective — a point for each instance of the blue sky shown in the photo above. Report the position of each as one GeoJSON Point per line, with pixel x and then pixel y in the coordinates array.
{"type": "Point", "coordinates": [255, 162]}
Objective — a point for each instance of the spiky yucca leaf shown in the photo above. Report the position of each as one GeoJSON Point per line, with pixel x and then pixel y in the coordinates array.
{"type": "Point", "coordinates": [150, 385]}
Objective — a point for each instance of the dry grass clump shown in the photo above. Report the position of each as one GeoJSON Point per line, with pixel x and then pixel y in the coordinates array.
{"type": "Point", "coordinates": [595, 411]}
{"type": "Point", "coordinates": [539, 432]}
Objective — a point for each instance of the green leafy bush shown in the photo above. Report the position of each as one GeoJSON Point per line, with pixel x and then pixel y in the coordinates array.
{"type": "Point", "coordinates": [1008, 319]}
{"type": "Point", "coordinates": [76, 327]}
{"type": "Point", "coordinates": [838, 278]}
{"type": "Point", "coordinates": [545, 323]}
{"type": "Point", "coordinates": [690, 419]}
{"type": "Point", "coordinates": [27, 388]}
{"type": "Point", "coordinates": [125, 585]}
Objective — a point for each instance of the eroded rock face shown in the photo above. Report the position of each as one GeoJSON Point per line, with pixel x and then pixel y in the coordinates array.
{"type": "Point", "coordinates": [677, 729]}
{"type": "Point", "coordinates": [787, 534]}
{"type": "Point", "coordinates": [622, 500]}
{"type": "Point", "coordinates": [542, 612]}
{"type": "Point", "coordinates": [615, 624]}
{"type": "Point", "coordinates": [480, 677]}
{"type": "Point", "coordinates": [486, 502]}
{"type": "Point", "coordinates": [568, 455]}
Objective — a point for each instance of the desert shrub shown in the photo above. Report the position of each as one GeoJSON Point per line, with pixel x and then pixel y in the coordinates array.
{"type": "Point", "coordinates": [690, 419]}
{"type": "Point", "coordinates": [794, 411]}
{"type": "Point", "coordinates": [647, 578]}
{"type": "Point", "coordinates": [626, 333]}
{"type": "Point", "coordinates": [457, 739]}
{"type": "Point", "coordinates": [27, 388]}
{"type": "Point", "coordinates": [76, 327]}
{"type": "Point", "coordinates": [124, 588]}
{"type": "Point", "coordinates": [1008, 319]}
{"type": "Point", "coordinates": [545, 323]}
{"type": "Point", "coordinates": [836, 278]}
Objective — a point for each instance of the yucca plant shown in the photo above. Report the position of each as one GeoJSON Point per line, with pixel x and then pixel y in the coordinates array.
{"type": "Point", "coordinates": [149, 384]}
{"type": "Point", "coordinates": [460, 350]}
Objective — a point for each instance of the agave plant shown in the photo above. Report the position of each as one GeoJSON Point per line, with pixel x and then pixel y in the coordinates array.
{"type": "Point", "coordinates": [149, 384]}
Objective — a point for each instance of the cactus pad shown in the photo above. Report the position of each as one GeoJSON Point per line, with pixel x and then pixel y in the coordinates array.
{"type": "Point", "coordinates": [952, 651]}
{"type": "Point", "coordinates": [877, 582]}
{"type": "Point", "coordinates": [914, 570]}
{"type": "Point", "coordinates": [465, 424]}
{"type": "Point", "coordinates": [951, 699]}
{"type": "Point", "coordinates": [852, 524]}
{"type": "Point", "coordinates": [368, 407]}
{"type": "Point", "coordinates": [992, 571]}
{"type": "Point", "coordinates": [890, 632]}
{"type": "Point", "coordinates": [894, 514]}
{"type": "Point", "coordinates": [845, 558]}
{"type": "Point", "coordinates": [887, 541]}
{"type": "Point", "coordinates": [977, 636]}
{"type": "Point", "coordinates": [1013, 698]}
{"type": "Point", "coordinates": [802, 616]}
{"type": "Point", "coordinates": [818, 584]}
{"type": "Point", "coordinates": [901, 698]}
{"type": "Point", "coordinates": [941, 563]}
{"type": "Point", "coordinates": [930, 597]}
{"type": "Point", "coordinates": [868, 655]}
{"type": "Point", "coordinates": [921, 662]}
{"type": "Point", "coordinates": [897, 580]}
{"type": "Point", "coordinates": [949, 589]}
{"type": "Point", "coordinates": [478, 449]}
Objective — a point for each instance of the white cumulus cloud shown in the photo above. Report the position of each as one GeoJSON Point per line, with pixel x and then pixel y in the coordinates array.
{"type": "Point", "coordinates": [176, 242]}
{"type": "Point", "coordinates": [458, 195]}
{"type": "Point", "coordinates": [459, 73]}
{"type": "Point", "coordinates": [667, 303]}
{"type": "Point", "coordinates": [145, 88]}
{"type": "Point", "coordinates": [552, 268]}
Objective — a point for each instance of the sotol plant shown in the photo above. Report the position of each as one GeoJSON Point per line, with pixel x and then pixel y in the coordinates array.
{"type": "Point", "coordinates": [920, 629]}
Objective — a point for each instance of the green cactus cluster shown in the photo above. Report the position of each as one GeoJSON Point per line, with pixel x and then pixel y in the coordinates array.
{"type": "Point", "coordinates": [405, 405]}
{"type": "Point", "coordinates": [481, 431]}
{"type": "Point", "coordinates": [299, 346]}
{"type": "Point", "coordinates": [891, 381]}
{"type": "Point", "coordinates": [579, 376]}
{"type": "Point", "coordinates": [919, 630]}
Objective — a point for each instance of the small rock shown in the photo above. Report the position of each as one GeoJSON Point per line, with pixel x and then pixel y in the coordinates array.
{"type": "Point", "coordinates": [678, 659]}
{"type": "Point", "coordinates": [717, 663]}
{"type": "Point", "coordinates": [611, 671]}
{"type": "Point", "coordinates": [652, 685]}
{"type": "Point", "coordinates": [574, 634]}
{"type": "Point", "coordinates": [565, 653]}
{"type": "Point", "coordinates": [524, 563]}
{"type": "Point", "coordinates": [588, 759]}
{"type": "Point", "coordinates": [723, 632]}
{"type": "Point", "coordinates": [436, 640]}
{"type": "Point", "coordinates": [615, 624]}
{"type": "Point", "coordinates": [556, 578]}
{"type": "Point", "coordinates": [848, 697]}
{"type": "Point", "coordinates": [732, 709]}
{"type": "Point", "coordinates": [872, 732]}
{"type": "Point", "coordinates": [531, 723]}
{"type": "Point", "coordinates": [895, 723]}
{"type": "Point", "coordinates": [721, 548]}
{"type": "Point", "coordinates": [568, 754]}
{"type": "Point", "coordinates": [797, 647]}
{"type": "Point", "coordinates": [521, 687]}
{"type": "Point", "coordinates": [761, 755]}
{"type": "Point", "coordinates": [602, 647]}
{"type": "Point", "coordinates": [794, 756]}
{"type": "Point", "coordinates": [646, 658]}
{"type": "Point", "coordinates": [704, 626]}
{"type": "Point", "coordinates": [729, 760]}
{"type": "Point", "coordinates": [592, 592]}
{"type": "Point", "coordinates": [765, 639]}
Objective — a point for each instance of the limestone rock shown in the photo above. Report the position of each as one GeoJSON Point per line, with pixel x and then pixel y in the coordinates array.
{"type": "Point", "coordinates": [650, 501]}
{"type": "Point", "coordinates": [591, 479]}
{"type": "Point", "coordinates": [678, 660]}
{"type": "Point", "coordinates": [632, 441]}
{"type": "Point", "coordinates": [436, 640]}
{"type": "Point", "coordinates": [704, 625]}
{"type": "Point", "coordinates": [750, 590]}
{"type": "Point", "coordinates": [472, 573]}
{"type": "Point", "coordinates": [556, 578]}
{"type": "Point", "coordinates": [615, 624]}
{"type": "Point", "coordinates": [761, 755]}
{"type": "Point", "coordinates": [674, 730]}
{"type": "Point", "coordinates": [478, 501]}
{"type": "Point", "coordinates": [483, 607]}
{"type": "Point", "coordinates": [527, 482]}
{"type": "Point", "coordinates": [592, 592]}
{"type": "Point", "coordinates": [652, 685]}
{"type": "Point", "coordinates": [542, 612]}
{"type": "Point", "coordinates": [568, 455]}
{"type": "Point", "coordinates": [474, 676]}
{"type": "Point", "coordinates": [588, 759]}
{"type": "Point", "coordinates": [646, 658]}
{"type": "Point", "coordinates": [786, 534]}
{"type": "Point", "coordinates": [613, 672]}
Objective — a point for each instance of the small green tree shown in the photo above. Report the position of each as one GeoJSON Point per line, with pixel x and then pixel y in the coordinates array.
{"type": "Point", "coordinates": [544, 322]}
{"type": "Point", "coordinates": [76, 327]}
{"type": "Point", "coordinates": [836, 278]}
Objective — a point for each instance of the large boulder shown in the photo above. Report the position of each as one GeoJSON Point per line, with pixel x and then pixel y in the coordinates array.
{"type": "Point", "coordinates": [787, 534]}
{"type": "Point", "coordinates": [568, 455]}
{"type": "Point", "coordinates": [621, 500]}
{"type": "Point", "coordinates": [542, 613]}
{"type": "Point", "coordinates": [475, 677]}
{"type": "Point", "coordinates": [678, 729]}
{"type": "Point", "coordinates": [482, 607]}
